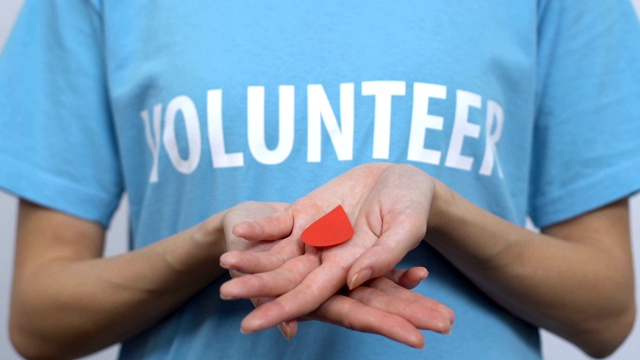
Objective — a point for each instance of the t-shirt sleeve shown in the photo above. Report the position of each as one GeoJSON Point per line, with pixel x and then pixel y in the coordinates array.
{"type": "Point", "coordinates": [586, 142]}
{"type": "Point", "coordinates": [58, 146]}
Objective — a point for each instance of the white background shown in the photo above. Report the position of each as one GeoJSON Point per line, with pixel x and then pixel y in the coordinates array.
{"type": "Point", "coordinates": [553, 347]}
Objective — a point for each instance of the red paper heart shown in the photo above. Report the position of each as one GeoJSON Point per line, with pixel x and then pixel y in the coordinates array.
{"type": "Point", "coordinates": [332, 229]}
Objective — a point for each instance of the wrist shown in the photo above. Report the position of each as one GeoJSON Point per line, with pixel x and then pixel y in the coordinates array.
{"type": "Point", "coordinates": [197, 250]}
{"type": "Point", "coordinates": [209, 235]}
{"type": "Point", "coordinates": [443, 206]}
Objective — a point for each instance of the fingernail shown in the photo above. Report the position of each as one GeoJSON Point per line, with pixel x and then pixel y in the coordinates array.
{"type": "Point", "coordinates": [227, 297]}
{"type": "Point", "coordinates": [359, 278]}
{"type": "Point", "coordinates": [285, 330]}
{"type": "Point", "coordinates": [223, 292]}
{"type": "Point", "coordinates": [421, 343]}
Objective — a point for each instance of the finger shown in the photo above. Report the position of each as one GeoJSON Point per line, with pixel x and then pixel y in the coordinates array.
{"type": "Point", "coordinates": [387, 252]}
{"type": "Point", "coordinates": [272, 283]}
{"type": "Point", "coordinates": [322, 283]}
{"type": "Point", "coordinates": [408, 278]}
{"type": "Point", "coordinates": [289, 328]}
{"type": "Point", "coordinates": [280, 225]}
{"type": "Point", "coordinates": [252, 261]}
{"type": "Point", "coordinates": [419, 311]}
{"type": "Point", "coordinates": [273, 227]}
{"type": "Point", "coordinates": [236, 274]}
{"type": "Point", "coordinates": [351, 314]}
{"type": "Point", "coordinates": [399, 292]}
{"type": "Point", "coordinates": [396, 291]}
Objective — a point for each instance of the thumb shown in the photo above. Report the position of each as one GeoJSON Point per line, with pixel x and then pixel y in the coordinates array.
{"type": "Point", "coordinates": [380, 259]}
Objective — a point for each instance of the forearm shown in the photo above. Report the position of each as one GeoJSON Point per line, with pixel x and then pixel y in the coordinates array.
{"type": "Point", "coordinates": [580, 289]}
{"type": "Point", "coordinates": [82, 306]}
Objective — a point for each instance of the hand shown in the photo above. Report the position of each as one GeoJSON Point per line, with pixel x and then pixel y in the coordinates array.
{"type": "Point", "coordinates": [245, 212]}
{"type": "Point", "coordinates": [387, 307]}
{"type": "Point", "coordinates": [383, 306]}
{"type": "Point", "coordinates": [389, 207]}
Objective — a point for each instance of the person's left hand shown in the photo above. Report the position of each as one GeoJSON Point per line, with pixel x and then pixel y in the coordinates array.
{"type": "Point", "coordinates": [384, 306]}
{"type": "Point", "coordinates": [389, 206]}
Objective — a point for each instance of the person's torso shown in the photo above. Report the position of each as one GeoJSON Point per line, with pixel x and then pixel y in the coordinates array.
{"type": "Point", "coordinates": [216, 103]}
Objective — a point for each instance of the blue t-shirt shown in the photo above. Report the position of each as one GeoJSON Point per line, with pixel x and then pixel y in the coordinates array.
{"type": "Point", "coordinates": [525, 108]}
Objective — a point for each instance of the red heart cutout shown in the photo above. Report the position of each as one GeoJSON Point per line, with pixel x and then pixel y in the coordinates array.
{"type": "Point", "coordinates": [332, 229]}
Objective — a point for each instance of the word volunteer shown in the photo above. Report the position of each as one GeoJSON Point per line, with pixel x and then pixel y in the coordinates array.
{"type": "Point", "coordinates": [320, 113]}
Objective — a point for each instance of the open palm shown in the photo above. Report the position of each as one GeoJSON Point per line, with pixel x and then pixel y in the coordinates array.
{"type": "Point", "coordinates": [388, 206]}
